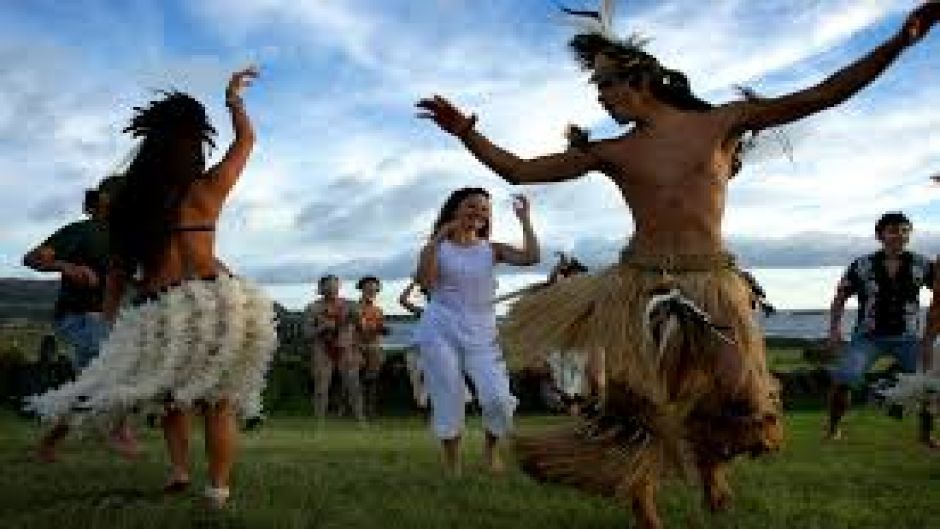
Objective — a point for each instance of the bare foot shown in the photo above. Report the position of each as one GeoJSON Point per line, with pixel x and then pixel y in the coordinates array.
{"type": "Point", "coordinates": [450, 457]}
{"type": "Point", "coordinates": [644, 510]}
{"type": "Point", "coordinates": [720, 498]}
{"type": "Point", "coordinates": [715, 482]}
{"type": "Point", "coordinates": [125, 446]}
{"type": "Point", "coordinates": [46, 454]}
{"type": "Point", "coordinates": [494, 464]}
{"type": "Point", "coordinates": [176, 484]}
{"type": "Point", "coordinates": [831, 435]}
{"type": "Point", "coordinates": [453, 468]}
{"type": "Point", "coordinates": [46, 451]}
{"type": "Point", "coordinates": [217, 498]}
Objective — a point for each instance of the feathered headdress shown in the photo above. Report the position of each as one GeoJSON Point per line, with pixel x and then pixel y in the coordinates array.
{"type": "Point", "coordinates": [599, 22]}
{"type": "Point", "coordinates": [595, 34]}
{"type": "Point", "coordinates": [595, 38]}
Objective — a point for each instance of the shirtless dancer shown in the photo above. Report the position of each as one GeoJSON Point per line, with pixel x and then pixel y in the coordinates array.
{"type": "Point", "coordinates": [329, 325]}
{"type": "Point", "coordinates": [708, 383]}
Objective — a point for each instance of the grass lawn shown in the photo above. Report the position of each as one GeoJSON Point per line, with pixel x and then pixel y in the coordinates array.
{"type": "Point", "coordinates": [290, 475]}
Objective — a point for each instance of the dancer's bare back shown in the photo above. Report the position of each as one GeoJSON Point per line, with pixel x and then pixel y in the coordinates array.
{"type": "Point", "coordinates": [190, 251]}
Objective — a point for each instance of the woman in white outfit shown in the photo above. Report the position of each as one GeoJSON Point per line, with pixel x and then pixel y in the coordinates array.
{"type": "Point", "coordinates": [412, 357]}
{"type": "Point", "coordinates": [457, 332]}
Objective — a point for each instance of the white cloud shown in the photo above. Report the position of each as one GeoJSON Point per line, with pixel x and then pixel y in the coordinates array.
{"type": "Point", "coordinates": [335, 121]}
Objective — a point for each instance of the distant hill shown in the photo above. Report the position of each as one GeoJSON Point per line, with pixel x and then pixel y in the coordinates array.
{"type": "Point", "coordinates": [31, 299]}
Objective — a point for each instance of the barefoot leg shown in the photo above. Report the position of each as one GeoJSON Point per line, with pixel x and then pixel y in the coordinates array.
{"type": "Point", "coordinates": [718, 494]}
{"type": "Point", "coordinates": [644, 505]}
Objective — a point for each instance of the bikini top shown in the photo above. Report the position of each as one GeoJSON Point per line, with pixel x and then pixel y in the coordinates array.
{"type": "Point", "coordinates": [189, 269]}
{"type": "Point", "coordinates": [192, 227]}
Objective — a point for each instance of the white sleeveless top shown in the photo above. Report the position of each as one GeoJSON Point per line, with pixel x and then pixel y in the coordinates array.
{"type": "Point", "coordinates": [465, 286]}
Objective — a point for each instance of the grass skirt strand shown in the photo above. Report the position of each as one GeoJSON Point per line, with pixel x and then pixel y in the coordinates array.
{"type": "Point", "coordinates": [660, 403]}
{"type": "Point", "coordinates": [198, 343]}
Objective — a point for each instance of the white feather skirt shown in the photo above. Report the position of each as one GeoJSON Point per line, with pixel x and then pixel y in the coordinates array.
{"type": "Point", "coordinates": [200, 342]}
{"type": "Point", "coordinates": [915, 390]}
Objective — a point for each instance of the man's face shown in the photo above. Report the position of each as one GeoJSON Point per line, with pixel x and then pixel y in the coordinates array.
{"type": "Point", "coordinates": [895, 237]}
{"type": "Point", "coordinates": [618, 92]}
{"type": "Point", "coordinates": [330, 287]}
{"type": "Point", "coordinates": [370, 289]}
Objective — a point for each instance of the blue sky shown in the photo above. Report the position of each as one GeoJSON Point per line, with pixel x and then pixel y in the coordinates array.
{"type": "Point", "coordinates": [344, 179]}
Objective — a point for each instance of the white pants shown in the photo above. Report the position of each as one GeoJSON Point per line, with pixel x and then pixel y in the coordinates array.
{"type": "Point", "coordinates": [448, 350]}
{"type": "Point", "coordinates": [416, 377]}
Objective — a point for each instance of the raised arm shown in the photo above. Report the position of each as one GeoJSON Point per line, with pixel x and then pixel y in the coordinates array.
{"type": "Point", "coordinates": [530, 253]}
{"type": "Point", "coordinates": [763, 113]}
{"type": "Point", "coordinates": [558, 167]}
{"type": "Point", "coordinates": [226, 172]}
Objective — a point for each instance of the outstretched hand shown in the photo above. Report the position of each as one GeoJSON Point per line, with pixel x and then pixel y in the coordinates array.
{"type": "Point", "coordinates": [520, 205]}
{"type": "Point", "coordinates": [240, 80]}
{"type": "Point", "coordinates": [921, 20]}
{"type": "Point", "coordinates": [446, 115]}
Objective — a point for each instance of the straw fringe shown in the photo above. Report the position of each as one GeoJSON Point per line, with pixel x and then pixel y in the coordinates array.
{"type": "Point", "coordinates": [657, 406]}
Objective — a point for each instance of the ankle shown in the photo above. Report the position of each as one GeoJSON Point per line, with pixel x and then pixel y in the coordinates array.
{"type": "Point", "coordinates": [217, 496]}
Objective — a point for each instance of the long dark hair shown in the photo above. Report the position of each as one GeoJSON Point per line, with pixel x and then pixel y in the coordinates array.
{"type": "Point", "coordinates": [449, 209]}
{"type": "Point", "coordinates": [174, 131]}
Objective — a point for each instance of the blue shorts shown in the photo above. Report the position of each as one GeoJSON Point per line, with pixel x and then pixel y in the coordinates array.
{"type": "Point", "coordinates": [84, 332]}
{"type": "Point", "coordinates": [863, 351]}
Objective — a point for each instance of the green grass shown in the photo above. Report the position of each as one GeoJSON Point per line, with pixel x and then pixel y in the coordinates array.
{"type": "Point", "coordinates": [786, 359]}
{"type": "Point", "coordinates": [387, 476]}
{"type": "Point", "coordinates": [20, 341]}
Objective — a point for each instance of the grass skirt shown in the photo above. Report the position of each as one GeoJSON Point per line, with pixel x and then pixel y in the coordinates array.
{"type": "Point", "coordinates": [196, 343]}
{"type": "Point", "coordinates": [693, 397]}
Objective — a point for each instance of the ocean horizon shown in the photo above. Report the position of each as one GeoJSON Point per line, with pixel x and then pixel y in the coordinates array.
{"type": "Point", "coordinates": [801, 295]}
{"type": "Point", "coordinates": [792, 289]}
